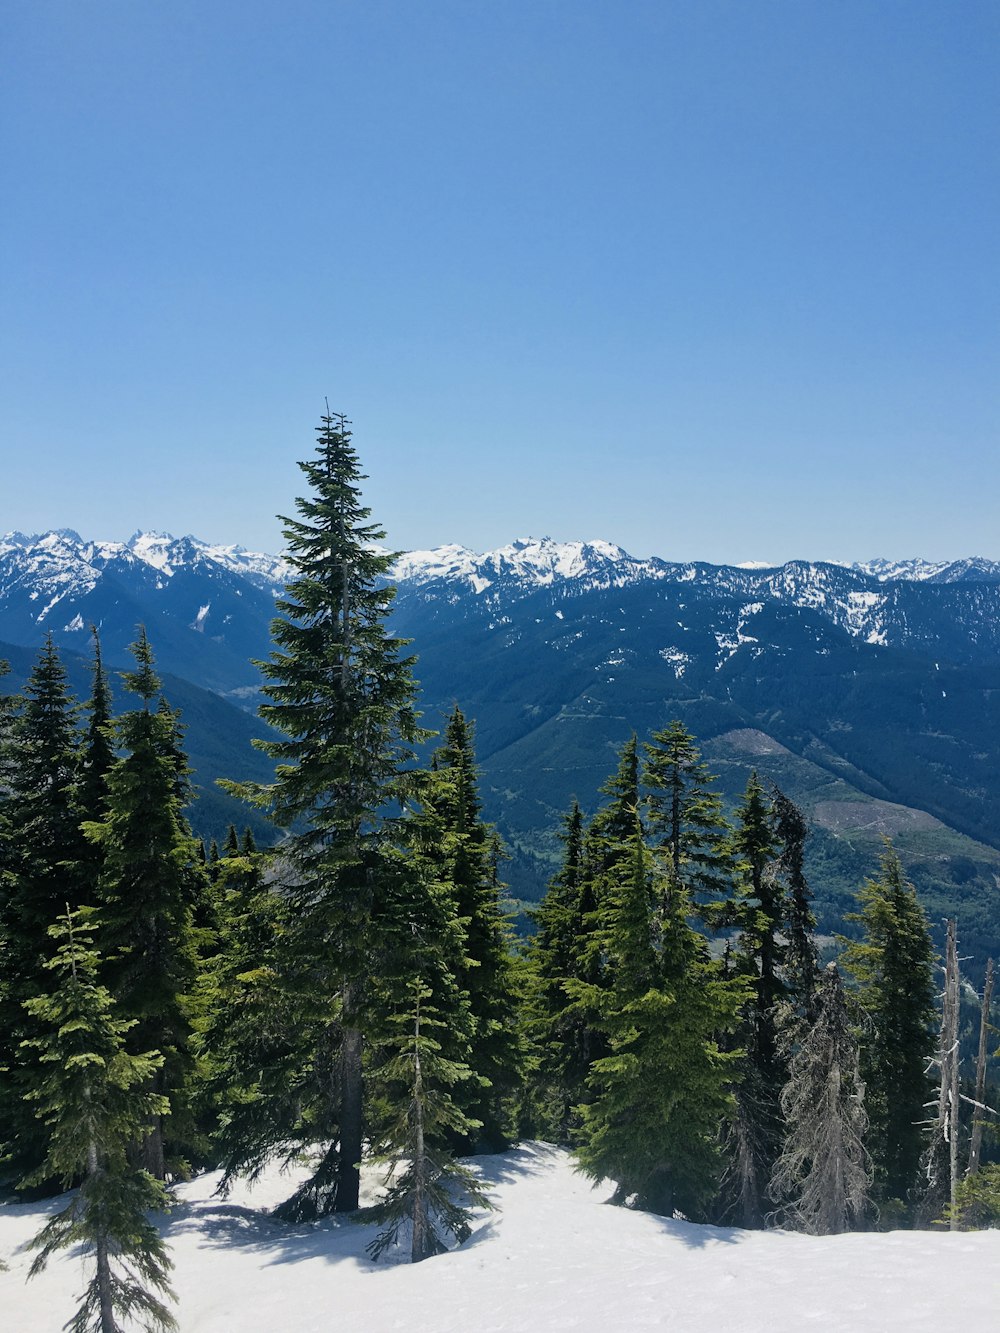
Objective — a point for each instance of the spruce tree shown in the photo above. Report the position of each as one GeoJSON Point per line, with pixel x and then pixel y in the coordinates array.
{"type": "Point", "coordinates": [822, 1176]}
{"type": "Point", "coordinates": [427, 1190]}
{"type": "Point", "coordinates": [460, 852]}
{"type": "Point", "coordinates": [659, 1095]}
{"type": "Point", "coordinates": [561, 1035]}
{"type": "Point", "coordinates": [149, 884]}
{"type": "Point", "coordinates": [46, 852]}
{"type": "Point", "coordinates": [754, 1134]}
{"type": "Point", "coordinates": [95, 1100]}
{"type": "Point", "coordinates": [686, 819]}
{"type": "Point", "coordinates": [340, 693]}
{"type": "Point", "coordinates": [892, 964]}
{"type": "Point", "coordinates": [252, 1036]}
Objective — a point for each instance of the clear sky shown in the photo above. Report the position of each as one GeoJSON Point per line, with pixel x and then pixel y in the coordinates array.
{"type": "Point", "coordinates": [715, 279]}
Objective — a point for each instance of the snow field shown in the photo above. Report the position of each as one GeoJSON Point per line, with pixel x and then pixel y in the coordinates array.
{"type": "Point", "coordinates": [555, 1256]}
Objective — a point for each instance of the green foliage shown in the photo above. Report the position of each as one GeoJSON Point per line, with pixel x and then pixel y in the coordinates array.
{"type": "Point", "coordinates": [150, 883]}
{"type": "Point", "coordinates": [340, 695]}
{"type": "Point", "coordinates": [96, 1100]}
{"type": "Point", "coordinates": [460, 852]}
{"type": "Point", "coordinates": [427, 1190]}
{"type": "Point", "coordinates": [892, 965]}
{"type": "Point", "coordinates": [660, 1094]}
{"type": "Point", "coordinates": [43, 854]}
{"type": "Point", "coordinates": [977, 1200]}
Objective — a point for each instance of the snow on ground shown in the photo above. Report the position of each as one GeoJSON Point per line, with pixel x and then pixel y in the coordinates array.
{"type": "Point", "coordinates": [555, 1256]}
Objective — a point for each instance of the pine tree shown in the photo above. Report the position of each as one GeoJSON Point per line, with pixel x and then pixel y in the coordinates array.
{"type": "Point", "coordinates": [686, 819]}
{"type": "Point", "coordinates": [755, 1131]}
{"type": "Point", "coordinates": [823, 1174]}
{"type": "Point", "coordinates": [659, 1095]}
{"type": "Point", "coordinates": [561, 1034]}
{"type": "Point", "coordinates": [95, 1101]}
{"type": "Point", "coordinates": [149, 885]}
{"type": "Point", "coordinates": [892, 964]}
{"type": "Point", "coordinates": [460, 852]}
{"type": "Point", "coordinates": [252, 1036]}
{"type": "Point", "coordinates": [341, 695]}
{"type": "Point", "coordinates": [801, 966]}
{"type": "Point", "coordinates": [427, 1190]}
{"type": "Point", "coordinates": [47, 850]}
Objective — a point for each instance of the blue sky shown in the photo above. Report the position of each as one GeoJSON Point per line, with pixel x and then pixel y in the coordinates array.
{"type": "Point", "coordinates": [714, 279]}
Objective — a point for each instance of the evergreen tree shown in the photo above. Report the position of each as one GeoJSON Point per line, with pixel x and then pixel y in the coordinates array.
{"type": "Point", "coordinates": [823, 1174]}
{"type": "Point", "coordinates": [754, 1133]}
{"type": "Point", "coordinates": [892, 964]}
{"type": "Point", "coordinates": [46, 850]}
{"type": "Point", "coordinates": [341, 695]}
{"type": "Point", "coordinates": [659, 1095]}
{"type": "Point", "coordinates": [252, 1036]}
{"type": "Point", "coordinates": [801, 966]}
{"type": "Point", "coordinates": [149, 885]}
{"type": "Point", "coordinates": [686, 819]}
{"type": "Point", "coordinates": [428, 1191]}
{"type": "Point", "coordinates": [461, 853]}
{"type": "Point", "coordinates": [562, 1036]}
{"type": "Point", "coordinates": [95, 1101]}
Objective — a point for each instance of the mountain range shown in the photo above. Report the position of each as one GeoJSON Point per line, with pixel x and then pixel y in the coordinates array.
{"type": "Point", "coordinates": [870, 692]}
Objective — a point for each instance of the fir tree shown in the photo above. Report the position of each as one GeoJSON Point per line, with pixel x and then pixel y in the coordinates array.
{"type": "Point", "coordinates": [252, 1036]}
{"type": "Point", "coordinates": [427, 1190]}
{"type": "Point", "coordinates": [149, 884]}
{"type": "Point", "coordinates": [659, 1095]}
{"type": "Point", "coordinates": [46, 850]}
{"type": "Point", "coordinates": [562, 1036]}
{"type": "Point", "coordinates": [754, 1134]}
{"type": "Point", "coordinates": [341, 695]}
{"type": "Point", "coordinates": [892, 964]}
{"type": "Point", "coordinates": [686, 819]}
{"type": "Point", "coordinates": [823, 1174]}
{"type": "Point", "coordinates": [95, 1101]}
{"type": "Point", "coordinates": [461, 853]}
{"type": "Point", "coordinates": [801, 967]}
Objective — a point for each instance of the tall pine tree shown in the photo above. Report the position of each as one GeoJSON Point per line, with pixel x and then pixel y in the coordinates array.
{"type": "Point", "coordinates": [893, 966]}
{"type": "Point", "coordinates": [148, 887]}
{"type": "Point", "coordinates": [340, 693]}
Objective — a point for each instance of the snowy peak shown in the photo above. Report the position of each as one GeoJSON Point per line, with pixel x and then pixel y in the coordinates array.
{"type": "Point", "coordinates": [528, 562]}
{"type": "Point", "coordinates": [65, 553]}
{"type": "Point", "coordinates": [972, 569]}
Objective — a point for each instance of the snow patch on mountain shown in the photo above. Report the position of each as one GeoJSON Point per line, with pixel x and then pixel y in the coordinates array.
{"type": "Point", "coordinates": [528, 562]}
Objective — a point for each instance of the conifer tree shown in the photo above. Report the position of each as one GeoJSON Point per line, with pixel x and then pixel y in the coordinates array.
{"type": "Point", "coordinates": [341, 695]}
{"type": "Point", "coordinates": [95, 1101]}
{"type": "Point", "coordinates": [659, 1095]}
{"type": "Point", "coordinates": [252, 1037]}
{"type": "Point", "coordinates": [427, 1190]}
{"type": "Point", "coordinates": [754, 1134]}
{"type": "Point", "coordinates": [892, 964]}
{"type": "Point", "coordinates": [562, 1036]}
{"type": "Point", "coordinates": [149, 884]}
{"type": "Point", "coordinates": [460, 851]}
{"type": "Point", "coordinates": [822, 1177]}
{"type": "Point", "coordinates": [801, 967]}
{"type": "Point", "coordinates": [686, 819]}
{"type": "Point", "coordinates": [97, 756]}
{"type": "Point", "coordinates": [46, 850]}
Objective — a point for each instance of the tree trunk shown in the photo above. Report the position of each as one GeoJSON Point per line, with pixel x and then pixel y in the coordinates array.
{"type": "Point", "coordinates": [108, 1322]}
{"type": "Point", "coordinates": [351, 1095]}
{"type": "Point", "coordinates": [422, 1245]}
